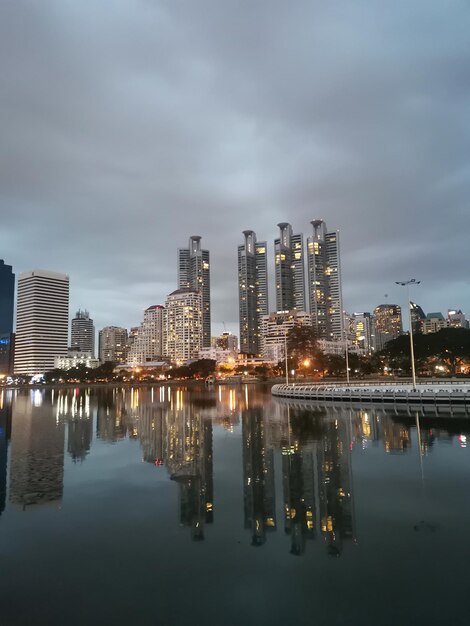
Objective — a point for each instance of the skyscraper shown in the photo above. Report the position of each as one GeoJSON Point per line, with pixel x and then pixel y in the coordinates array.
{"type": "Point", "coordinates": [252, 291]}
{"type": "Point", "coordinates": [289, 268]}
{"type": "Point", "coordinates": [42, 320]}
{"type": "Point", "coordinates": [112, 344]}
{"type": "Point", "coordinates": [7, 298]}
{"type": "Point", "coordinates": [324, 273]}
{"type": "Point", "coordinates": [182, 330]}
{"type": "Point", "coordinates": [83, 332]}
{"type": "Point", "coordinates": [194, 273]}
{"type": "Point", "coordinates": [388, 324]}
{"type": "Point", "coordinates": [148, 344]}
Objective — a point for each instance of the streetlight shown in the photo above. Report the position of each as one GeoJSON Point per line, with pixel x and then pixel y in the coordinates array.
{"type": "Point", "coordinates": [407, 283]}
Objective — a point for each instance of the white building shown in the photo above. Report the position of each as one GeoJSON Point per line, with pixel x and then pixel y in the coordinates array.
{"type": "Point", "coordinates": [75, 358]}
{"type": "Point", "coordinates": [457, 319]}
{"type": "Point", "coordinates": [339, 347]}
{"type": "Point", "coordinates": [148, 341]}
{"type": "Point", "coordinates": [275, 327]}
{"type": "Point", "coordinates": [182, 330]}
{"type": "Point", "coordinates": [434, 322]}
{"type": "Point", "coordinates": [42, 321]}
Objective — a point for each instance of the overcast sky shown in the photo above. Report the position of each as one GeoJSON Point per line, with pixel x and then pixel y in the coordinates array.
{"type": "Point", "coordinates": [129, 125]}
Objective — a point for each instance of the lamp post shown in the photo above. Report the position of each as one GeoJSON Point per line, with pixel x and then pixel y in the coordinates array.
{"type": "Point", "coordinates": [407, 283]}
{"type": "Point", "coordinates": [285, 357]}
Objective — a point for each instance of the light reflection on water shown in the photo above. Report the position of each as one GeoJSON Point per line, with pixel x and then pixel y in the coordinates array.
{"type": "Point", "coordinates": [244, 468]}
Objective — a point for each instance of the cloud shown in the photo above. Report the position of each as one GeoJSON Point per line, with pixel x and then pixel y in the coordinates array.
{"type": "Point", "coordinates": [126, 131]}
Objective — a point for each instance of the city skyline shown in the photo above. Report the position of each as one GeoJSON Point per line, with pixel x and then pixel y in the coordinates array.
{"type": "Point", "coordinates": [176, 129]}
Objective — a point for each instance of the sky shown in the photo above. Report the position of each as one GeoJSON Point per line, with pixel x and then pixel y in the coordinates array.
{"type": "Point", "coordinates": [129, 125]}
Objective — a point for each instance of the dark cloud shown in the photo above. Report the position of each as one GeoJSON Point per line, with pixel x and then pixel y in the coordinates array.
{"type": "Point", "coordinates": [127, 129]}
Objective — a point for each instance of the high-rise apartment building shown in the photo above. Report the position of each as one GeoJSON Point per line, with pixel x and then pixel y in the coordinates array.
{"type": "Point", "coordinates": [274, 330]}
{"type": "Point", "coordinates": [324, 274]}
{"type": "Point", "coordinates": [7, 299]}
{"type": "Point", "coordinates": [42, 321]}
{"type": "Point", "coordinates": [113, 344]}
{"type": "Point", "coordinates": [252, 291]}
{"type": "Point", "coordinates": [388, 324]}
{"type": "Point", "coordinates": [194, 273]}
{"type": "Point", "coordinates": [83, 332]}
{"type": "Point", "coordinates": [148, 343]}
{"type": "Point", "coordinates": [456, 319]}
{"type": "Point", "coordinates": [289, 269]}
{"type": "Point", "coordinates": [182, 329]}
{"type": "Point", "coordinates": [363, 327]}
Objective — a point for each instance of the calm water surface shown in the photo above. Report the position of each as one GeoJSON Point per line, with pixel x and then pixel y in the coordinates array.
{"type": "Point", "coordinates": [190, 506]}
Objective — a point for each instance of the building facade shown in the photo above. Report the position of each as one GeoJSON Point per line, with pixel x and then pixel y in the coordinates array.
{"type": "Point", "coordinates": [194, 273]}
{"type": "Point", "coordinates": [324, 278]}
{"type": "Point", "coordinates": [113, 344]}
{"type": "Point", "coordinates": [434, 322]}
{"type": "Point", "coordinates": [252, 291]}
{"type": "Point", "coordinates": [83, 332]}
{"type": "Point", "coordinates": [7, 300]}
{"type": "Point", "coordinates": [183, 326]}
{"type": "Point", "coordinates": [42, 321]}
{"type": "Point", "coordinates": [363, 327]}
{"type": "Point", "coordinates": [148, 343]}
{"type": "Point", "coordinates": [388, 324]}
{"type": "Point", "coordinates": [289, 270]}
{"type": "Point", "coordinates": [274, 330]}
{"type": "Point", "coordinates": [76, 358]}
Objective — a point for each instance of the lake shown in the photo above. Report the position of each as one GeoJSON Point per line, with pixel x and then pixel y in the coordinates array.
{"type": "Point", "coordinates": [173, 505]}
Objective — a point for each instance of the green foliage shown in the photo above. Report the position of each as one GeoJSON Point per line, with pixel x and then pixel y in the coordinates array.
{"type": "Point", "coordinates": [449, 346]}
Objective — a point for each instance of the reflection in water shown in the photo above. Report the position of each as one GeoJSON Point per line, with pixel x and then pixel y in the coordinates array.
{"type": "Point", "coordinates": [5, 433]}
{"type": "Point", "coordinates": [37, 451]}
{"type": "Point", "coordinates": [175, 429]}
{"type": "Point", "coordinates": [258, 477]}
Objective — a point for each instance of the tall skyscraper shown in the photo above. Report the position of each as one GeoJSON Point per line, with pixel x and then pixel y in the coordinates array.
{"type": "Point", "coordinates": [324, 273]}
{"type": "Point", "coordinates": [148, 344]}
{"type": "Point", "coordinates": [42, 321]}
{"type": "Point", "coordinates": [182, 328]}
{"type": "Point", "coordinates": [7, 299]}
{"type": "Point", "coordinates": [252, 291]}
{"type": "Point", "coordinates": [113, 344]}
{"type": "Point", "coordinates": [194, 273]}
{"type": "Point", "coordinates": [289, 268]}
{"type": "Point", "coordinates": [83, 332]}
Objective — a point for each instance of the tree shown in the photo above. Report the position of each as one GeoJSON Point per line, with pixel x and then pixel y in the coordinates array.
{"type": "Point", "coordinates": [302, 346]}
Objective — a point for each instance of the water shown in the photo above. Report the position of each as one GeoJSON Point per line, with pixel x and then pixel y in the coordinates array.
{"type": "Point", "coordinates": [193, 506]}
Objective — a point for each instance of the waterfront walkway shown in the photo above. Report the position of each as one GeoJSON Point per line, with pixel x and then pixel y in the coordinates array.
{"type": "Point", "coordinates": [442, 394]}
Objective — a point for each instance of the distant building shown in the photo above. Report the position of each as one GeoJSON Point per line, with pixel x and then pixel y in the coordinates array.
{"type": "Point", "coordinates": [113, 344]}
{"type": "Point", "coordinates": [226, 341]}
{"type": "Point", "coordinates": [42, 321]}
{"type": "Point", "coordinates": [148, 342]}
{"type": "Point", "coordinates": [274, 330]}
{"type": "Point", "coordinates": [75, 358]}
{"type": "Point", "coordinates": [194, 273]}
{"type": "Point", "coordinates": [7, 297]}
{"type": "Point", "coordinates": [388, 324]}
{"type": "Point", "coordinates": [457, 319]}
{"type": "Point", "coordinates": [434, 322]}
{"type": "Point", "coordinates": [7, 337]}
{"type": "Point", "coordinates": [252, 291]}
{"type": "Point", "coordinates": [289, 270]}
{"type": "Point", "coordinates": [417, 317]}
{"type": "Point", "coordinates": [182, 330]}
{"type": "Point", "coordinates": [324, 276]}
{"type": "Point", "coordinates": [83, 332]}
{"type": "Point", "coordinates": [363, 327]}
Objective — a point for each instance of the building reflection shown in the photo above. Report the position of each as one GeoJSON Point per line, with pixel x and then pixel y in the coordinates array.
{"type": "Point", "coordinates": [190, 464]}
{"type": "Point", "coordinates": [5, 434]}
{"type": "Point", "coordinates": [74, 407]}
{"type": "Point", "coordinates": [258, 477]}
{"type": "Point", "coordinates": [37, 451]}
